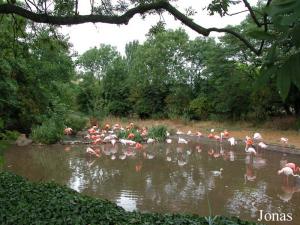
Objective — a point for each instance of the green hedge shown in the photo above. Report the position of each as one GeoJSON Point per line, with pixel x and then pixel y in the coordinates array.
{"type": "Point", "coordinates": [23, 202]}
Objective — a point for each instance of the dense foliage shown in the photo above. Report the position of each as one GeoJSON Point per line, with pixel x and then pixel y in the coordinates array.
{"type": "Point", "coordinates": [191, 79]}
{"type": "Point", "coordinates": [23, 202]}
{"type": "Point", "coordinates": [44, 87]}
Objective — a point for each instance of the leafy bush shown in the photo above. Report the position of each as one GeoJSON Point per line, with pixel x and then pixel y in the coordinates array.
{"type": "Point", "coordinates": [124, 134]}
{"type": "Point", "coordinates": [158, 132]}
{"type": "Point", "coordinates": [199, 107]}
{"type": "Point", "coordinates": [76, 121]}
{"type": "Point", "coordinates": [50, 132]}
{"type": "Point", "coordinates": [23, 202]}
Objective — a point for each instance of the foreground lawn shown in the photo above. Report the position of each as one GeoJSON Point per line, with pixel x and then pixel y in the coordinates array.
{"type": "Point", "coordinates": [23, 202]}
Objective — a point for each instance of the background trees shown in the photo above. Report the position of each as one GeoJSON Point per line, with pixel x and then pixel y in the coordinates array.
{"type": "Point", "coordinates": [167, 76]}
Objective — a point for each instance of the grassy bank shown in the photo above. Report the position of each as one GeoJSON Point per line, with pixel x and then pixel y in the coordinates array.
{"type": "Point", "coordinates": [23, 202]}
{"type": "Point", "coordinates": [271, 131]}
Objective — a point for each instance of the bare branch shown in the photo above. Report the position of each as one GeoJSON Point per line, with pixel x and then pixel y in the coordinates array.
{"type": "Point", "coordinates": [248, 6]}
{"type": "Point", "coordinates": [233, 14]}
{"type": "Point", "coordinates": [237, 35]}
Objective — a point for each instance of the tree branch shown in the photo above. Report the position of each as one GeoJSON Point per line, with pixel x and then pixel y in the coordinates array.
{"type": "Point", "coordinates": [248, 6]}
{"type": "Point", "coordinates": [237, 35]}
{"type": "Point", "coordinates": [122, 19]}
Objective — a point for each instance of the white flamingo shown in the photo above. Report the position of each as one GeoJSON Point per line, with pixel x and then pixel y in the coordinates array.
{"type": "Point", "coordinates": [284, 140]}
{"type": "Point", "coordinates": [250, 150]}
{"type": "Point", "coordinates": [257, 136]}
{"type": "Point", "coordinates": [262, 145]}
{"type": "Point", "coordinates": [150, 140]}
{"type": "Point", "coordinates": [169, 141]}
{"type": "Point", "coordinates": [113, 142]}
{"type": "Point", "coordinates": [232, 141]}
{"type": "Point", "coordinates": [217, 173]}
{"type": "Point", "coordinates": [182, 141]}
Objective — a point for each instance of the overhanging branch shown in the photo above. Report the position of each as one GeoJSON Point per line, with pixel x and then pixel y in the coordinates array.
{"type": "Point", "coordinates": [122, 19]}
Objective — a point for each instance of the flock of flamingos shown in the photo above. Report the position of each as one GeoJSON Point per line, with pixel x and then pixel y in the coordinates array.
{"type": "Point", "coordinates": [108, 135]}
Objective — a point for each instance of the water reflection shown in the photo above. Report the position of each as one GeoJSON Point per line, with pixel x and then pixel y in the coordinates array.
{"type": "Point", "coordinates": [168, 177]}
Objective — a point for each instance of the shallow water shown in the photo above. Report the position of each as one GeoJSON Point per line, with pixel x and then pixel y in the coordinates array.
{"type": "Point", "coordinates": [169, 177]}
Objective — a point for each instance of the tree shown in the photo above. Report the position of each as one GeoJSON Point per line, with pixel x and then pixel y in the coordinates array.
{"type": "Point", "coordinates": [35, 73]}
{"type": "Point", "coordinates": [67, 13]}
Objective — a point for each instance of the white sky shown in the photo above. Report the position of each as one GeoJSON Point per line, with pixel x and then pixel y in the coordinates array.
{"type": "Point", "coordinates": [86, 36]}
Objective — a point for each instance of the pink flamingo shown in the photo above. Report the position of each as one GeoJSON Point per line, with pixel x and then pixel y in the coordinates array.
{"type": "Point", "coordinates": [293, 166]}
{"type": "Point", "coordinates": [287, 171]}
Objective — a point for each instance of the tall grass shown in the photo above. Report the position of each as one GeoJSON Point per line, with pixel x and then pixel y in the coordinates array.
{"type": "Point", "coordinates": [158, 133]}
{"type": "Point", "coordinates": [49, 132]}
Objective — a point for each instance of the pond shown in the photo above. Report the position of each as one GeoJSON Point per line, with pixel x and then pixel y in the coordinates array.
{"type": "Point", "coordinates": [176, 178]}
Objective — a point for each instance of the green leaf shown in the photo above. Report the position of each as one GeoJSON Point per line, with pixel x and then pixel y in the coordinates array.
{"type": "Point", "coordinates": [260, 35]}
{"type": "Point", "coordinates": [283, 83]}
{"type": "Point", "coordinates": [294, 67]}
{"type": "Point", "coordinates": [296, 35]}
{"type": "Point", "coordinates": [283, 2]}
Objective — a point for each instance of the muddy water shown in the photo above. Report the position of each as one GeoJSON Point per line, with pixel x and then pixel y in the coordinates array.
{"type": "Point", "coordinates": [169, 177]}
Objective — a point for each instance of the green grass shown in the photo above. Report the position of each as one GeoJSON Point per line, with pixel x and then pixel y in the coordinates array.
{"type": "Point", "coordinates": [23, 202]}
{"type": "Point", "coordinates": [49, 132]}
{"type": "Point", "coordinates": [158, 133]}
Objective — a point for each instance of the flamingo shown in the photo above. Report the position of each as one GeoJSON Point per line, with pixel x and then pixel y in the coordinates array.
{"type": "Point", "coordinates": [138, 146]}
{"type": "Point", "coordinates": [149, 156]}
{"type": "Point", "coordinates": [125, 142]}
{"type": "Point", "coordinates": [216, 155]}
{"type": "Point", "coordinates": [288, 191]}
{"type": "Point", "coordinates": [150, 140]}
{"type": "Point", "coordinates": [287, 171]}
{"type": "Point", "coordinates": [169, 159]}
{"type": "Point", "coordinates": [284, 140]}
{"type": "Point", "coordinates": [97, 141]}
{"type": "Point", "coordinates": [249, 147]}
{"type": "Point", "coordinates": [122, 157]}
{"type": "Point", "coordinates": [189, 132]}
{"type": "Point", "coordinates": [182, 141]}
{"type": "Point", "coordinates": [179, 132]}
{"type": "Point", "coordinates": [257, 136]}
{"type": "Point", "coordinates": [217, 137]}
{"type": "Point", "coordinates": [262, 145]}
{"type": "Point", "coordinates": [293, 166]}
{"type": "Point", "coordinates": [92, 152]}
{"type": "Point", "coordinates": [181, 162]}
{"type": "Point", "coordinates": [226, 134]}
{"type": "Point", "coordinates": [68, 131]}
{"type": "Point", "coordinates": [232, 141]}
{"type": "Point", "coordinates": [210, 136]}
{"type": "Point", "coordinates": [199, 134]}
{"type": "Point", "coordinates": [169, 141]}
{"type": "Point", "coordinates": [113, 142]}
{"type": "Point", "coordinates": [131, 135]}
{"type": "Point", "coordinates": [116, 126]}
{"type": "Point", "coordinates": [250, 150]}
{"type": "Point", "coordinates": [198, 148]}
{"type": "Point", "coordinates": [217, 173]}
{"type": "Point", "coordinates": [210, 152]}
{"type": "Point", "coordinates": [167, 134]}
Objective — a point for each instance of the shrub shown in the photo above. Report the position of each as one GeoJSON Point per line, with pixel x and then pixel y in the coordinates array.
{"type": "Point", "coordinates": [158, 132]}
{"type": "Point", "coordinates": [124, 134]}
{"type": "Point", "coordinates": [76, 121]}
{"type": "Point", "coordinates": [49, 132]}
{"type": "Point", "coordinates": [199, 108]}
{"type": "Point", "coordinates": [23, 202]}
